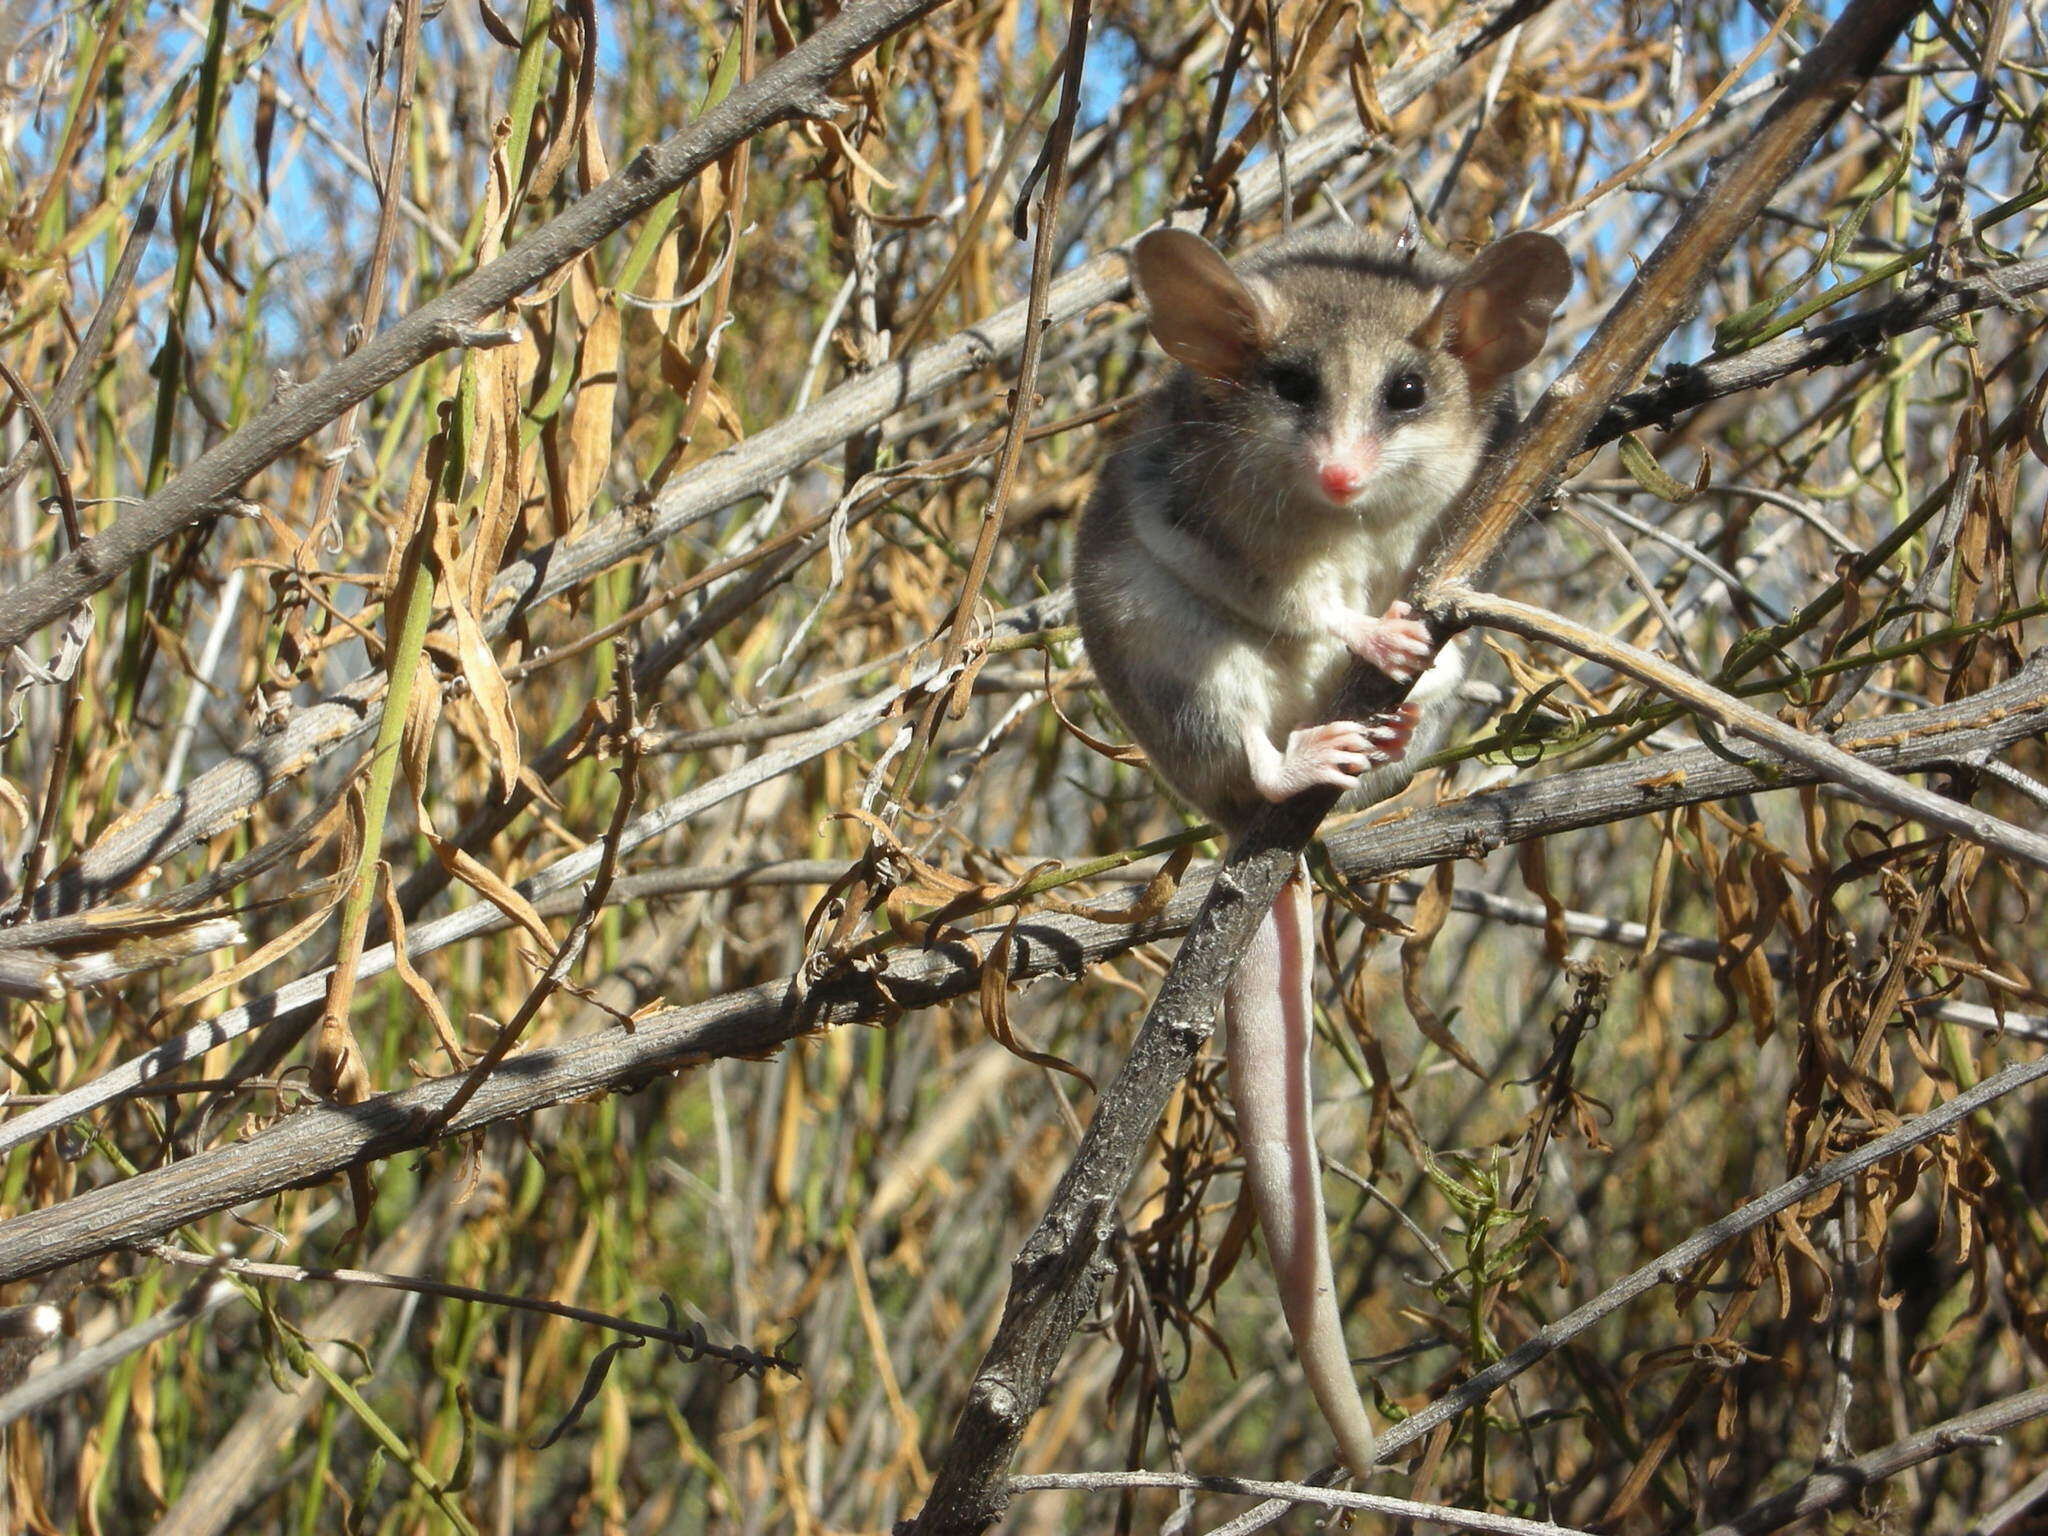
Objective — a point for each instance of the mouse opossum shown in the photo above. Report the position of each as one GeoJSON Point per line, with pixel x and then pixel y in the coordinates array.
{"type": "Point", "coordinates": [1253, 534]}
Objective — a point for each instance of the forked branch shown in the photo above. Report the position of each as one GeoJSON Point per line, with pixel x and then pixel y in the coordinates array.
{"type": "Point", "coordinates": [795, 85]}
{"type": "Point", "coordinates": [1055, 1275]}
{"type": "Point", "coordinates": [1872, 785]}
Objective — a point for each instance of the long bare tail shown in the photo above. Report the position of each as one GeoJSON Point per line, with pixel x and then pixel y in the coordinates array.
{"type": "Point", "coordinates": [1266, 1010]}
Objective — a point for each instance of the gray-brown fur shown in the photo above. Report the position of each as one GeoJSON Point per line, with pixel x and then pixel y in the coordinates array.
{"type": "Point", "coordinates": [1249, 538]}
{"type": "Point", "coordinates": [1205, 561]}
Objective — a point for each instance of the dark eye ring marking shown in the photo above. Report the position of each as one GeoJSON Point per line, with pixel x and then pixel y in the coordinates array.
{"type": "Point", "coordinates": [1294, 383]}
{"type": "Point", "coordinates": [1405, 391]}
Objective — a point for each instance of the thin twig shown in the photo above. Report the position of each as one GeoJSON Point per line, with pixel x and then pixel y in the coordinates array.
{"type": "Point", "coordinates": [1871, 785]}
{"type": "Point", "coordinates": [1053, 163]}
{"type": "Point", "coordinates": [390, 189]}
{"type": "Point", "coordinates": [39, 430]}
{"type": "Point", "coordinates": [1832, 1487]}
{"type": "Point", "coordinates": [793, 86]}
{"type": "Point", "coordinates": [626, 732]}
{"type": "Point", "coordinates": [71, 383]}
{"type": "Point", "coordinates": [319, 1142]}
{"type": "Point", "coordinates": [690, 1340]}
{"type": "Point", "coordinates": [1296, 1493]}
{"type": "Point", "coordinates": [2010, 1509]}
{"type": "Point", "coordinates": [202, 1298]}
{"type": "Point", "coordinates": [1675, 1263]}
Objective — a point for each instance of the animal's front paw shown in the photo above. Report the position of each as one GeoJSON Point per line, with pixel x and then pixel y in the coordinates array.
{"type": "Point", "coordinates": [1335, 755]}
{"type": "Point", "coordinates": [1392, 731]}
{"type": "Point", "coordinates": [1397, 644]}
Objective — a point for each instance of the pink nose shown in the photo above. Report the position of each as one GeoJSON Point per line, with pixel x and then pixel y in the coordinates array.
{"type": "Point", "coordinates": [1340, 480]}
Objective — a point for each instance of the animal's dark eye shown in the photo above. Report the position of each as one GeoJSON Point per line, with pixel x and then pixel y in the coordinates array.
{"type": "Point", "coordinates": [1406, 391]}
{"type": "Point", "coordinates": [1294, 383]}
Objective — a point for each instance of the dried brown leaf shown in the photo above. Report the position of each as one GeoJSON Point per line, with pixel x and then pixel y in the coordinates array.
{"type": "Point", "coordinates": [591, 418]}
{"type": "Point", "coordinates": [257, 960]}
{"type": "Point", "coordinates": [416, 984]}
{"type": "Point", "coordinates": [1424, 924]}
{"type": "Point", "coordinates": [489, 885]}
{"type": "Point", "coordinates": [995, 1011]}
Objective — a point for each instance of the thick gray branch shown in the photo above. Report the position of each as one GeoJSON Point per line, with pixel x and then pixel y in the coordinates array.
{"type": "Point", "coordinates": [794, 86]}
{"type": "Point", "coordinates": [1831, 1487]}
{"type": "Point", "coordinates": [221, 796]}
{"type": "Point", "coordinates": [318, 1142]}
{"type": "Point", "coordinates": [1053, 1280]}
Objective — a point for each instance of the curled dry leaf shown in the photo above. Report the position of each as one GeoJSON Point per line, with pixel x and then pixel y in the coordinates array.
{"type": "Point", "coordinates": [493, 887]}
{"type": "Point", "coordinates": [1536, 876]}
{"type": "Point", "coordinates": [978, 897]}
{"type": "Point", "coordinates": [995, 1010]}
{"type": "Point", "coordinates": [15, 805]}
{"type": "Point", "coordinates": [416, 984]}
{"type": "Point", "coordinates": [1117, 754]}
{"type": "Point", "coordinates": [591, 418]}
{"type": "Point", "coordinates": [269, 954]}
{"type": "Point", "coordinates": [1749, 889]}
{"type": "Point", "coordinates": [1424, 924]}
{"type": "Point", "coordinates": [478, 662]}
{"type": "Point", "coordinates": [493, 699]}
{"type": "Point", "coordinates": [504, 476]}
{"type": "Point", "coordinates": [1150, 902]}
{"type": "Point", "coordinates": [415, 747]}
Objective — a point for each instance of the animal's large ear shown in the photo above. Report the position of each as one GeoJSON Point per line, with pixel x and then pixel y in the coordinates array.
{"type": "Point", "coordinates": [1202, 313]}
{"type": "Point", "coordinates": [1494, 316]}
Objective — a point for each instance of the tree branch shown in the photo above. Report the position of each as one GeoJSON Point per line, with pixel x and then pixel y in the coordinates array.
{"type": "Point", "coordinates": [1056, 1273]}
{"type": "Point", "coordinates": [1298, 1493]}
{"type": "Point", "coordinates": [320, 1141]}
{"type": "Point", "coordinates": [794, 86]}
{"type": "Point", "coordinates": [1871, 785]}
{"type": "Point", "coordinates": [1830, 1487]}
{"type": "Point", "coordinates": [221, 796]}
{"type": "Point", "coordinates": [1929, 302]}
